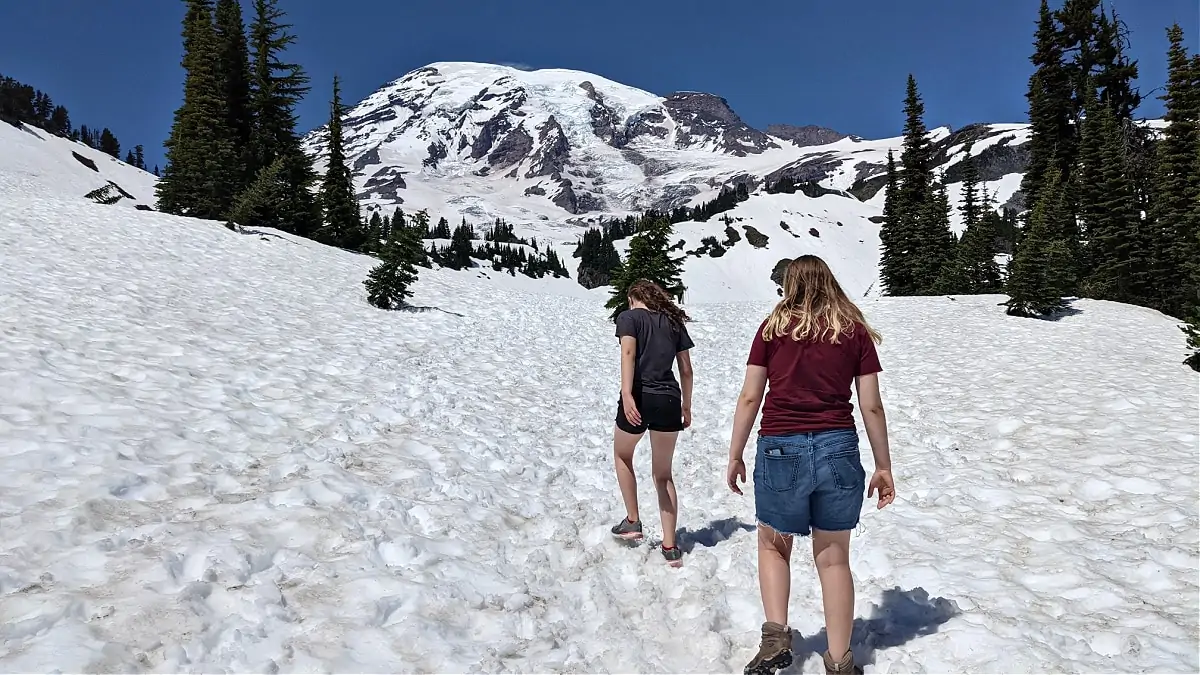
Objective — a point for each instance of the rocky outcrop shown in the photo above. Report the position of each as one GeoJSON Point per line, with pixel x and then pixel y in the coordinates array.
{"type": "Point", "coordinates": [606, 123]}
{"type": "Point", "coordinates": [368, 158]}
{"type": "Point", "coordinates": [575, 202]}
{"type": "Point", "coordinates": [386, 183]}
{"type": "Point", "coordinates": [437, 152]}
{"type": "Point", "coordinates": [705, 117]}
{"type": "Point", "coordinates": [553, 150]}
{"type": "Point", "coordinates": [515, 146]}
{"type": "Point", "coordinates": [816, 167]}
{"type": "Point", "coordinates": [805, 136]}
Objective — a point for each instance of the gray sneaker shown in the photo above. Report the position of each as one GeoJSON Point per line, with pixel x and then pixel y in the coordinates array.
{"type": "Point", "coordinates": [774, 652]}
{"type": "Point", "coordinates": [845, 666]}
{"type": "Point", "coordinates": [628, 529]}
{"type": "Point", "coordinates": [674, 556]}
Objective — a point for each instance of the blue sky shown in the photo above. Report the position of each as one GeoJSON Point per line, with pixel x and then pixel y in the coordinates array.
{"type": "Point", "coordinates": [830, 62]}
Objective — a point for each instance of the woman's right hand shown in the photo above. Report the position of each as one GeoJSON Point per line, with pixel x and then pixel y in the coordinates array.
{"type": "Point", "coordinates": [631, 411]}
{"type": "Point", "coordinates": [881, 482]}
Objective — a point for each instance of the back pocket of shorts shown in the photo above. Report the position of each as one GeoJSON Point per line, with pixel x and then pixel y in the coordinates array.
{"type": "Point", "coordinates": [848, 471]}
{"type": "Point", "coordinates": [779, 472]}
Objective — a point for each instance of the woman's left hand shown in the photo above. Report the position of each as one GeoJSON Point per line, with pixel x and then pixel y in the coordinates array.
{"type": "Point", "coordinates": [736, 471]}
{"type": "Point", "coordinates": [687, 418]}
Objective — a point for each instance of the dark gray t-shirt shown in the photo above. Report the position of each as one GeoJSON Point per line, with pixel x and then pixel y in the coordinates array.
{"type": "Point", "coordinates": [658, 341]}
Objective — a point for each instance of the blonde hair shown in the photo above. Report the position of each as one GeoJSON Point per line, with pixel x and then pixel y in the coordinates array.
{"type": "Point", "coordinates": [814, 306]}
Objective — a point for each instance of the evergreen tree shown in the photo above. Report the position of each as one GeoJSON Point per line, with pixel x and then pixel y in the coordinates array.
{"type": "Point", "coordinates": [157, 173]}
{"type": "Point", "coordinates": [276, 88]}
{"type": "Point", "coordinates": [139, 157]}
{"type": "Point", "coordinates": [649, 258]}
{"type": "Point", "coordinates": [916, 161]}
{"type": "Point", "coordinates": [129, 158]}
{"type": "Point", "coordinates": [389, 284]}
{"type": "Point", "coordinates": [1177, 190]}
{"type": "Point", "coordinates": [1049, 96]}
{"type": "Point", "coordinates": [1032, 288]}
{"type": "Point", "coordinates": [1118, 248]}
{"type": "Point", "coordinates": [343, 218]}
{"type": "Point", "coordinates": [60, 121]}
{"type": "Point", "coordinates": [893, 269]}
{"type": "Point", "coordinates": [234, 67]}
{"type": "Point", "coordinates": [461, 248]}
{"type": "Point", "coordinates": [419, 224]}
{"type": "Point", "coordinates": [938, 267]}
{"type": "Point", "coordinates": [1192, 330]}
{"type": "Point", "coordinates": [374, 233]}
{"type": "Point", "coordinates": [109, 144]}
{"type": "Point", "coordinates": [200, 178]}
{"type": "Point", "coordinates": [976, 252]}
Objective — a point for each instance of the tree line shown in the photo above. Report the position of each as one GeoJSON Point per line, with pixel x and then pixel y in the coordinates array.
{"type": "Point", "coordinates": [22, 104]}
{"type": "Point", "coordinates": [1112, 211]}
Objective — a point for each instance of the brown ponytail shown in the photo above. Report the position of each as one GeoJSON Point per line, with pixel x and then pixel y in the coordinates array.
{"type": "Point", "coordinates": [657, 300]}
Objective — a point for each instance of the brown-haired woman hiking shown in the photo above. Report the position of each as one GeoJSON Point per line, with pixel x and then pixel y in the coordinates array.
{"type": "Point", "coordinates": [807, 471]}
{"type": "Point", "coordinates": [653, 338]}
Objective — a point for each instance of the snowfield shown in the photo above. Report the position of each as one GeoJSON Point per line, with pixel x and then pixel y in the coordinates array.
{"type": "Point", "coordinates": [215, 456]}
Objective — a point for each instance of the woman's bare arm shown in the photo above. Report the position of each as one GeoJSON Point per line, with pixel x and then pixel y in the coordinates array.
{"type": "Point", "coordinates": [684, 360]}
{"type": "Point", "coordinates": [871, 406]}
{"type": "Point", "coordinates": [748, 404]}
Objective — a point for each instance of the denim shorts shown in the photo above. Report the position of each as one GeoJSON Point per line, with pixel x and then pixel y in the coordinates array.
{"type": "Point", "coordinates": [809, 480]}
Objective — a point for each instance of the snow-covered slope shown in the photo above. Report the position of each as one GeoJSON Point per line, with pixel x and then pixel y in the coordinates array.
{"type": "Point", "coordinates": [46, 164]}
{"type": "Point", "coordinates": [215, 456]}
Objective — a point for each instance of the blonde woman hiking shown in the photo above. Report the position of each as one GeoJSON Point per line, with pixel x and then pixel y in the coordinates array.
{"type": "Point", "coordinates": [653, 338]}
{"type": "Point", "coordinates": [808, 477]}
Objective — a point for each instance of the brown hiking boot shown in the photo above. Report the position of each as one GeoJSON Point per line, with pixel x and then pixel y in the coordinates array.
{"type": "Point", "coordinates": [845, 666]}
{"type": "Point", "coordinates": [774, 652]}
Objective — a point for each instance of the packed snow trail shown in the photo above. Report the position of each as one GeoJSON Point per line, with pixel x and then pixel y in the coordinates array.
{"type": "Point", "coordinates": [214, 455]}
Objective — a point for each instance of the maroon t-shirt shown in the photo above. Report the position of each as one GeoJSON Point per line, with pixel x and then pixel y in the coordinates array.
{"type": "Point", "coordinates": [809, 382]}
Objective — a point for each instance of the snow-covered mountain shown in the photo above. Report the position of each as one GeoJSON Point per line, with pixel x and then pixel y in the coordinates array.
{"type": "Point", "coordinates": [215, 456]}
{"type": "Point", "coordinates": [480, 141]}
{"type": "Point", "coordinates": [552, 150]}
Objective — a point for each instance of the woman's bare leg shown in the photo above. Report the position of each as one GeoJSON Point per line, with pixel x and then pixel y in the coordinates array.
{"type": "Point", "coordinates": [623, 446]}
{"type": "Point", "coordinates": [662, 447]}
{"type": "Point", "coordinates": [831, 551]}
{"type": "Point", "coordinates": [774, 573]}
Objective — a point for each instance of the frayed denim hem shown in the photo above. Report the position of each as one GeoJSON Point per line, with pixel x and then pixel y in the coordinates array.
{"type": "Point", "coordinates": [779, 532]}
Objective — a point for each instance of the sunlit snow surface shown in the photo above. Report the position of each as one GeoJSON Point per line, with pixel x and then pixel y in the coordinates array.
{"type": "Point", "coordinates": [215, 456]}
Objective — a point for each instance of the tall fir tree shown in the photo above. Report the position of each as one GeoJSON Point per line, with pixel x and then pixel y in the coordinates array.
{"type": "Point", "coordinates": [276, 88]}
{"type": "Point", "coordinates": [976, 252]}
{"type": "Point", "coordinates": [139, 157]}
{"type": "Point", "coordinates": [649, 258]}
{"type": "Point", "coordinates": [389, 284]}
{"type": "Point", "coordinates": [375, 236]}
{"type": "Point", "coordinates": [1177, 191]}
{"type": "Point", "coordinates": [109, 144]}
{"type": "Point", "coordinates": [1118, 245]}
{"type": "Point", "coordinates": [1049, 98]}
{"type": "Point", "coordinates": [893, 266]}
{"type": "Point", "coordinates": [200, 179]}
{"type": "Point", "coordinates": [916, 160]}
{"type": "Point", "coordinates": [234, 54]}
{"type": "Point", "coordinates": [1032, 288]}
{"type": "Point", "coordinates": [343, 224]}
{"type": "Point", "coordinates": [937, 259]}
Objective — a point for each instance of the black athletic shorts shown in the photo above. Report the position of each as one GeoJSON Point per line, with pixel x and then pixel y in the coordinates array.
{"type": "Point", "coordinates": [660, 412]}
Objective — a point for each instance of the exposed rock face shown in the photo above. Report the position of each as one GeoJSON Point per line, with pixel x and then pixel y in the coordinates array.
{"type": "Point", "coordinates": [437, 152]}
{"type": "Point", "coordinates": [368, 158]}
{"type": "Point", "coordinates": [816, 167]}
{"type": "Point", "coordinates": [387, 182]}
{"type": "Point", "coordinates": [606, 122]}
{"type": "Point", "coordinates": [553, 150]}
{"type": "Point", "coordinates": [515, 147]}
{"type": "Point", "coordinates": [710, 117]}
{"type": "Point", "coordinates": [805, 136]}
